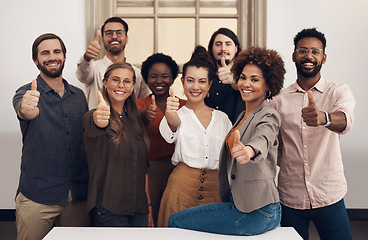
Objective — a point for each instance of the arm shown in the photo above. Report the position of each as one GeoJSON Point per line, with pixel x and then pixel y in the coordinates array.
{"type": "Point", "coordinates": [171, 113]}
{"type": "Point", "coordinates": [149, 114]}
{"type": "Point", "coordinates": [83, 73]}
{"type": "Point", "coordinates": [27, 108]}
{"type": "Point", "coordinates": [150, 217]}
{"type": "Point", "coordinates": [225, 75]}
{"type": "Point", "coordinates": [314, 117]}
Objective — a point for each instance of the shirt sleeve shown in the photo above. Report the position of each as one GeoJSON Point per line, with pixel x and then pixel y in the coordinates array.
{"type": "Point", "coordinates": [166, 132]}
{"type": "Point", "coordinates": [345, 103]}
{"type": "Point", "coordinates": [265, 135]}
{"type": "Point", "coordinates": [84, 71]}
{"type": "Point", "coordinates": [90, 128]}
{"type": "Point", "coordinates": [19, 96]}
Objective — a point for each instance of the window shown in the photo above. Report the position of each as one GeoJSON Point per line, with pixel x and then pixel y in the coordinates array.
{"type": "Point", "coordinates": [174, 27]}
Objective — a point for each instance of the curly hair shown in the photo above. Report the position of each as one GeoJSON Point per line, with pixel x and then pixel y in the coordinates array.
{"type": "Point", "coordinates": [269, 61]}
{"type": "Point", "coordinates": [159, 58]}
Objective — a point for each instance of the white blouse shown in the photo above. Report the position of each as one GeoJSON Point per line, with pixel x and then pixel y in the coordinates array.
{"type": "Point", "coordinates": [194, 145]}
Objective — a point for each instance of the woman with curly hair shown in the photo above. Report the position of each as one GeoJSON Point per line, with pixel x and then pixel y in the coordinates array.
{"type": "Point", "coordinates": [250, 201]}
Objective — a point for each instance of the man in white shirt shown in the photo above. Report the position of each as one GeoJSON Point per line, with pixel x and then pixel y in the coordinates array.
{"type": "Point", "coordinates": [114, 37]}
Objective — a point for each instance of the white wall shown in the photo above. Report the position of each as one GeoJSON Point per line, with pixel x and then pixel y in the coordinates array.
{"type": "Point", "coordinates": [21, 23]}
{"type": "Point", "coordinates": [345, 24]}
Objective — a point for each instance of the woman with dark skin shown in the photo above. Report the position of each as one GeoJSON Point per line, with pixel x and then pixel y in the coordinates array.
{"type": "Point", "coordinates": [159, 72]}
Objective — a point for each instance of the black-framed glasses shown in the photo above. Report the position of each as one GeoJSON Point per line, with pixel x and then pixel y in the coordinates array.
{"type": "Point", "coordinates": [110, 33]}
{"type": "Point", "coordinates": [116, 81]}
{"type": "Point", "coordinates": [302, 52]}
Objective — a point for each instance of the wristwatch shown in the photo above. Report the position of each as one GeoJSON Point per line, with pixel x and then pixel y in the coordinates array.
{"type": "Point", "coordinates": [328, 120]}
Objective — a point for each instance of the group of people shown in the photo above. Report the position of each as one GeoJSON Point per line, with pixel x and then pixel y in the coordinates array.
{"type": "Point", "coordinates": [128, 152]}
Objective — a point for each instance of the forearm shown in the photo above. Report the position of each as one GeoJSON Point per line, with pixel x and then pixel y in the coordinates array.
{"type": "Point", "coordinates": [173, 120]}
{"type": "Point", "coordinates": [338, 122]}
{"type": "Point", "coordinates": [27, 115]}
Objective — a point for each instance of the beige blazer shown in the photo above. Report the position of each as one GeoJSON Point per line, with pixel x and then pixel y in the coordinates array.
{"type": "Point", "coordinates": [252, 185]}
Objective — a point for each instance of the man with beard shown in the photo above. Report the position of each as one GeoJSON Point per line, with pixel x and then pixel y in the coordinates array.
{"type": "Point", "coordinates": [53, 181]}
{"type": "Point", "coordinates": [114, 37]}
{"type": "Point", "coordinates": [314, 114]}
{"type": "Point", "coordinates": [223, 47]}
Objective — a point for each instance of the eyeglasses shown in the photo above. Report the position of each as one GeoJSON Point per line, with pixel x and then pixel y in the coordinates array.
{"type": "Point", "coordinates": [116, 81]}
{"type": "Point", "coordinates": [302, 52]}
{"type": "Point", "coordinates": [110, 33]}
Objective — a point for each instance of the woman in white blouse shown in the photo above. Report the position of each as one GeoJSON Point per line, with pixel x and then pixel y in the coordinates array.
{"type": "Point", "coordinates": [198, 133]}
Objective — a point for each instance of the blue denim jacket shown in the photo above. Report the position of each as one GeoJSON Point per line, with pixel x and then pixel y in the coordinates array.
{"type": "Point", "coordinates": [53, 157]}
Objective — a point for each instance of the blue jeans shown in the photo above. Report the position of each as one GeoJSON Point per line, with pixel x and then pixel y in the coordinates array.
{"type": "Point", "coordinates": [331, 222]}
{"type": "Point", "coordinates": [224, 218]}
{"type": "Point", "coordinates": [100, 217]}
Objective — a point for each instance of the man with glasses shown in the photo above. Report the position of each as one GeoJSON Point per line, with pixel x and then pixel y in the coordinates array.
{"type": "Point", "coordinates": [114, 37]}
{"type": "Point", "coordinates": [53, 182]}
{"type": "Point", "coordinates": [314, 114]}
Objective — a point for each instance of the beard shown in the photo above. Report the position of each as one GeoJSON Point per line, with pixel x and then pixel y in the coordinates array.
{"type": "Point", "coordinates": [114, 49]}
{"type": "Point", "coordinates": [307, 74]}
{"type": "Point", "coordinates": [54, 73]}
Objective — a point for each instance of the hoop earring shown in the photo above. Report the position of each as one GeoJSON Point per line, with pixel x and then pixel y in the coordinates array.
{"type": "Point", "coordinates": [268, 94]}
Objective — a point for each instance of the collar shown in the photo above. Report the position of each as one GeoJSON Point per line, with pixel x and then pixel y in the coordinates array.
{"type": "Point", "coordinates": [319, 86]}
{"type": "Point", "coordinates": [46, 88]}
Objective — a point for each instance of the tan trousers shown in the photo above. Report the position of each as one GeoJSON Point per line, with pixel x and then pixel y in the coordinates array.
{"type": "Point", "coordinates": [34, 220]}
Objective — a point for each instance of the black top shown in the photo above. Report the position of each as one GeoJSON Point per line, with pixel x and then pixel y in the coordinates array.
{"type": "Point", "coordinates": [53, 158]}
{"type": "Point", "coordinates": [223, 97]}
{"type": "Point", "coordinates": [117, 173]}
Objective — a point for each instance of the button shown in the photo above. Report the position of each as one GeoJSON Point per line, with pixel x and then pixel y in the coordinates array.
{"type": "Point", "coordinates": [202, 180]}
{"type": "Point", "coordinates": [200, 197]}
{"type": "Point", "coordinates": [233, 176]}
{"type": "Point", "coordinates": [206, 157]}
{"type": "Point", "coordinates": [217, 107]}
{"type": "Point", "coordinates": [67, 133]}
{"type": "Point", "coordinates": [203, 172]}
{"type": "Point", "coordinates": [220, 81]}
{"type": "Point", "coordinates": [217, 93]}
{"type": "Point", "coordinates": [200, 189]}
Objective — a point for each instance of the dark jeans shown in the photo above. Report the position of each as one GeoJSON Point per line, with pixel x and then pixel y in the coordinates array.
{"type": "Point", "coordinates": [100, 217]}
{"type": "Point", "coordinates": [331, 222]}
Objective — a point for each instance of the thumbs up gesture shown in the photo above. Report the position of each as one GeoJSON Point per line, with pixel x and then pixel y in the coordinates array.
{"type": "Point", "coordinates": [224, 73]}
{"type": "Point", "coordinates": [172, 102]}
{"type": "Point", "coordinates": [171, 113]}
{"type": "Point", "coordinates": [241, 153]}
{"type": "Point", "coordinates": [102, 114]}
{"type": "Point", "coordinates": [311, 115]}
{"type": "Point", "coordinates": [93, 48]}
{"type": "Point", "coordinates": [151, 111]}
{"type": "Point", "coordinates": [28, 108]}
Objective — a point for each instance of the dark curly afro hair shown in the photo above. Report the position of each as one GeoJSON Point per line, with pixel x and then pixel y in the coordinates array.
{"type": "Point", "coordinates": [269, 61]}
{"type": "Point", "coordinates": [159, 58]}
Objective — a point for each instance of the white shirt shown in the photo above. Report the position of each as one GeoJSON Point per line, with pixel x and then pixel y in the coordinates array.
{"type": "Point", "coordinates": [91, 74]}
{"type": "Point", "coordinates": [194, 145]}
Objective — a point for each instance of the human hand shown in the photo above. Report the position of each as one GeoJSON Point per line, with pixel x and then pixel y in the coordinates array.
{"type": "Point", "coordinates": [172, 102]}
{"type": "Point", "coordinates": [28, 108]}
{"type": "Point", "coordinates": [224, 73]}
{"type": "Point", "coordinates": [102, 114]}
{"type": "Point", "coordinates": [241, 153]}
{"type": "Point", "coordinates": [151, 111]}
{"type": "Point", "coordinates": [311, 115]}
{"type": "Point", "coordinates": [151, 223]}
{"type": "Point", "coordinates": [93, 48]}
